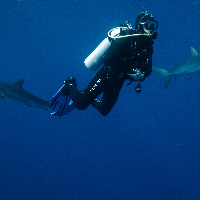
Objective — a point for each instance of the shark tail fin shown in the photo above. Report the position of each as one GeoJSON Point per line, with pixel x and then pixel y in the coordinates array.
{"type": "Point", "coordinates": [165, 74]}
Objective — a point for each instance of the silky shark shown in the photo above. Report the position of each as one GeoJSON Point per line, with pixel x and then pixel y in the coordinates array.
{"type": "Point", "coordinates": [16, 92]}
{"type": "Point", "coordinates": [189, 68]}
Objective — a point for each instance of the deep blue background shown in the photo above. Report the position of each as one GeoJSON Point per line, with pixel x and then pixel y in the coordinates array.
{"type": "Point", "coordinates": [148, 146]}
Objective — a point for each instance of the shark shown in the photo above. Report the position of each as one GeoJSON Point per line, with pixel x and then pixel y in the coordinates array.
{"type": "Point", "coordinates": [187, 69]}
{"type": "Point", "coordinates": [16, 92]}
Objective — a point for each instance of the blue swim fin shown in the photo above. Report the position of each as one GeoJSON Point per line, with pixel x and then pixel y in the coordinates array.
{"type": "Point", "coordinates": [61, 102]}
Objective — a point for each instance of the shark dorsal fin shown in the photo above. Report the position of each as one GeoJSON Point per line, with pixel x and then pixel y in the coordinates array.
{"type": "Point", "coordinates": [19, 83]}
{"type": "Point", "coordinates": [194, 52]}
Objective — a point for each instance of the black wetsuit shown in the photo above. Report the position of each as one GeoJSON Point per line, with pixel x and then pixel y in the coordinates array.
{"type": "Point", "coordinates": [132, 53]}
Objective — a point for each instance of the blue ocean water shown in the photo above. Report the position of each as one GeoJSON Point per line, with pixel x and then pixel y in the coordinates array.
{"type": "Point", "coordinates": [147, 148]}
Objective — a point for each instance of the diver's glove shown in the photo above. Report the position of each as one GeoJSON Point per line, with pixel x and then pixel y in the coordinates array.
{"type": "Point", "coordinates": [61, 102]}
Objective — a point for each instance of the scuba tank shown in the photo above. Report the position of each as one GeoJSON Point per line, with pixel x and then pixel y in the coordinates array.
{"type": "Point", "coordinates": [95, 59]}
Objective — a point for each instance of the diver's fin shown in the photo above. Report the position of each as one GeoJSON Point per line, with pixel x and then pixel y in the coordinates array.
{"type": "Point", "coordinates": [61, 102]}
{"type": "Point", "coordinates": [164, 73]}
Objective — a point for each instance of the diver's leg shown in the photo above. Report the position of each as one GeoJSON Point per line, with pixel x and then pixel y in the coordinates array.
{"type": "Point", "coordinates": [84, 98]}
{"type": "Point", "coordinates": [110, 96]}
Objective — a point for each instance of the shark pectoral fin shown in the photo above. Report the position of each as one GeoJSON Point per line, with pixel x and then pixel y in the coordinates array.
{"type": "Point", "coordinates": [2, 97]}
{"type": "Point", "coordinates": [164, 73]}
{"type": "Point", "coordinates": [167, 81]}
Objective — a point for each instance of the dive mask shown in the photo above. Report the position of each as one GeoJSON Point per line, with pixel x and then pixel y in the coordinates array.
{"type": "Point", "coordinates": [151, 25]}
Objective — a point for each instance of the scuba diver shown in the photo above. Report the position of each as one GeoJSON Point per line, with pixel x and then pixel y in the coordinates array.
{"type": "Point", "coordinates": [125, 54]}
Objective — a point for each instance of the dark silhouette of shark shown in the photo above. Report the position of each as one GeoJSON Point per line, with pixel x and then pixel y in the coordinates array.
{"type": "Point", "coordinates": [16, 92]}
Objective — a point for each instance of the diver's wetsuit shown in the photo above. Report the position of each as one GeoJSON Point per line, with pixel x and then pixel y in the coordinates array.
{"type": "Point", "coordinates": [133, 53]}
{"type": "Point", "coordinates": [106, 81]}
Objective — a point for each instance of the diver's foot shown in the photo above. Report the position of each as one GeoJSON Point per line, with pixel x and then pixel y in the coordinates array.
{"type": "Point", "coordinates": [65, 90]}
{"type": "Point", "coordinates": [70, 81]}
